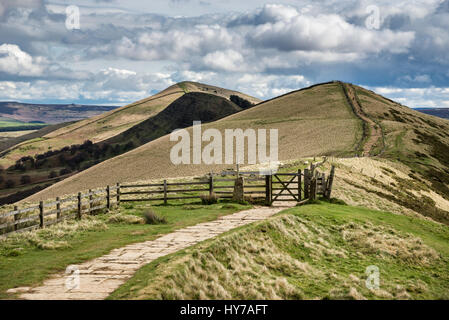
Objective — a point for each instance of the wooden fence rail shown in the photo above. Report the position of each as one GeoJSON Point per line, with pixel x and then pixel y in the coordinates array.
{"type": "Point", "coordinates": [299, 186]}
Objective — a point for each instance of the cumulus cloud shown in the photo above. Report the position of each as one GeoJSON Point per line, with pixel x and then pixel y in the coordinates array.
{"type": "Point", "coordinates": [327, 33]}
{"type": "Point", "coordinates": [17, 62]}
{"type": "Point", "coordinates": [228, 60]}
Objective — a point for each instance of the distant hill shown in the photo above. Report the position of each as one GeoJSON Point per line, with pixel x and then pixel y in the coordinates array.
{"type": "Point", "coordinates": [49, 113]}
{"type": "Point", "coordinates": [437, 112]}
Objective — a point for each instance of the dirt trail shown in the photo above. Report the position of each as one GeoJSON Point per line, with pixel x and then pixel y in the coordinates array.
{"type": "Point", "coordinates": [375, 132]}
{"type": "Point", "coordinates": [101, 276]}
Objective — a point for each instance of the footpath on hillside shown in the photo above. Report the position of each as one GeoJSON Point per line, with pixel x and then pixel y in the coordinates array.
{"type": "Point", "coordinates": [99, 277]}
{"type": "Point", "coordinates": [375, 132]}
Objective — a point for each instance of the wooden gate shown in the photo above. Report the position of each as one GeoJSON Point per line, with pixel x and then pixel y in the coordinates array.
{"type": "Point", "coordinates": [286, 187]}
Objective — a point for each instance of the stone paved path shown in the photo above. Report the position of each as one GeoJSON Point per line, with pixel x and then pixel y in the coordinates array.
{"type": "Point", "coordinates": [101, 276]}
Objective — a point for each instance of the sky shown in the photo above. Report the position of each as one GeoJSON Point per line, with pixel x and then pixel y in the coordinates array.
{"type": "Point", "coordinates": [116, 52]}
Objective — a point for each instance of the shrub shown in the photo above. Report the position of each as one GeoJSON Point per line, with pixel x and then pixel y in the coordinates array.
{"type": "Point", "coordinates": [152, 218]}
{"type": "Point", "coordinates": [52, 174]}
{"type": "Point", "coordinates": [209, 198]}
{"type": "Point", "coordinates": [25, 179]}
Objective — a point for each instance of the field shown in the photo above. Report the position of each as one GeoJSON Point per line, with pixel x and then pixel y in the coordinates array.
{"type": "Point", "coordinates": [318, 251]}
{"type": "Point", "coordinates": [12, 125]}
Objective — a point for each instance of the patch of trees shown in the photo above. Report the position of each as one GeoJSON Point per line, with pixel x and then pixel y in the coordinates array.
{"type": "Point", "coordinates": [10, 184]}
{"type": "Point", "coordinates": [12, 198]}
{"type": "Point", "coordinates": [242, 103]}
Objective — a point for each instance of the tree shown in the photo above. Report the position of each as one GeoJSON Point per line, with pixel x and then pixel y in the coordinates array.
{"type": "Point", "coordinates": [64, 171]}
{"type": "Point", "coordinates": [10, 183]}
{"type": "Point", "coordinates": [242, 103]}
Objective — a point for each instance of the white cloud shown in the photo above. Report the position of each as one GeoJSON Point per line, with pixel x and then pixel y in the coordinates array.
{"type": "Point", "coordinates": [229, 60]}
{"type": "Point", "coordinates": [17, 62]}
{"type": "Point", "coordinates": [328, 32]}
{"type": "Point", "coordinates": [431, 97]}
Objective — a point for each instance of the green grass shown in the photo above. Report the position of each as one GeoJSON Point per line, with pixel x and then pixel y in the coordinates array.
{"type": "Point", "coordinates": [25, 264]}
{"type": "Point", "coordinates": [315, 251]}
{"type": "Point", "coordinates": [16, 125]}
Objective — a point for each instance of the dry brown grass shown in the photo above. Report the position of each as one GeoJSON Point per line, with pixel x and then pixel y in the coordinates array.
{"type": "Point", "coordinates": [355, 176]}
{"type": "Point", "coordinates": [387, 242]}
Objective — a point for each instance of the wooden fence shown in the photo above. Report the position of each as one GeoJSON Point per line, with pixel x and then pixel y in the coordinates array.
{"type": "Point", "coordinates": [48, 213]}
{"type": "Point", "coordinates": [307, 184]}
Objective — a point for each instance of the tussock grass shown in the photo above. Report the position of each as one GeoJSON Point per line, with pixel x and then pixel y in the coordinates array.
{"type": "Point", "coordinates": [151, 217]}
{"type": "Point", "coordinates": [125, 218]}
{"type": "Point", "coordinates": [53, 237]}
{"type": "Point", "coordinates": [209, 198]}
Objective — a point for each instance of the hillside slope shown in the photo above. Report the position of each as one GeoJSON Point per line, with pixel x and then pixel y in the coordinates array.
{"type": "Point", "coordinates": [307, 120]}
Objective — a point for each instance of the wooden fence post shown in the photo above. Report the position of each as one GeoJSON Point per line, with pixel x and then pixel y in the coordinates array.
{"type": "Point", "coordinates": [313, 188]}
{"type": "Point", "coordinates": [58, 208]}
{"type": "Point", "coordinates": [268, 190]}
{"type": "Point", "coordinates": [330, 182]}
{"type": "Point", "coordinates": [16, 217]}
{"type": "Point", "coordinates": [324, 184]}
{"type": "Point", "coordinates": [165, 192]}
{"type": "Point", "coordinates": [118, 193]}
{"type": "Point", "coordinates": [299, 184]}
{"type": "Point", "coordinates": [108, 197]}
{"type": "Point", "coordinates": [80, 207]}
{"type": "Point", "coordinates": [91, 197]}
{"type": "Point", "coordinates": [41, 214]}
{"type": "Point", "coordinates": [211, 184]}
{"type": "Point", "coordinates": [306, 183]}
